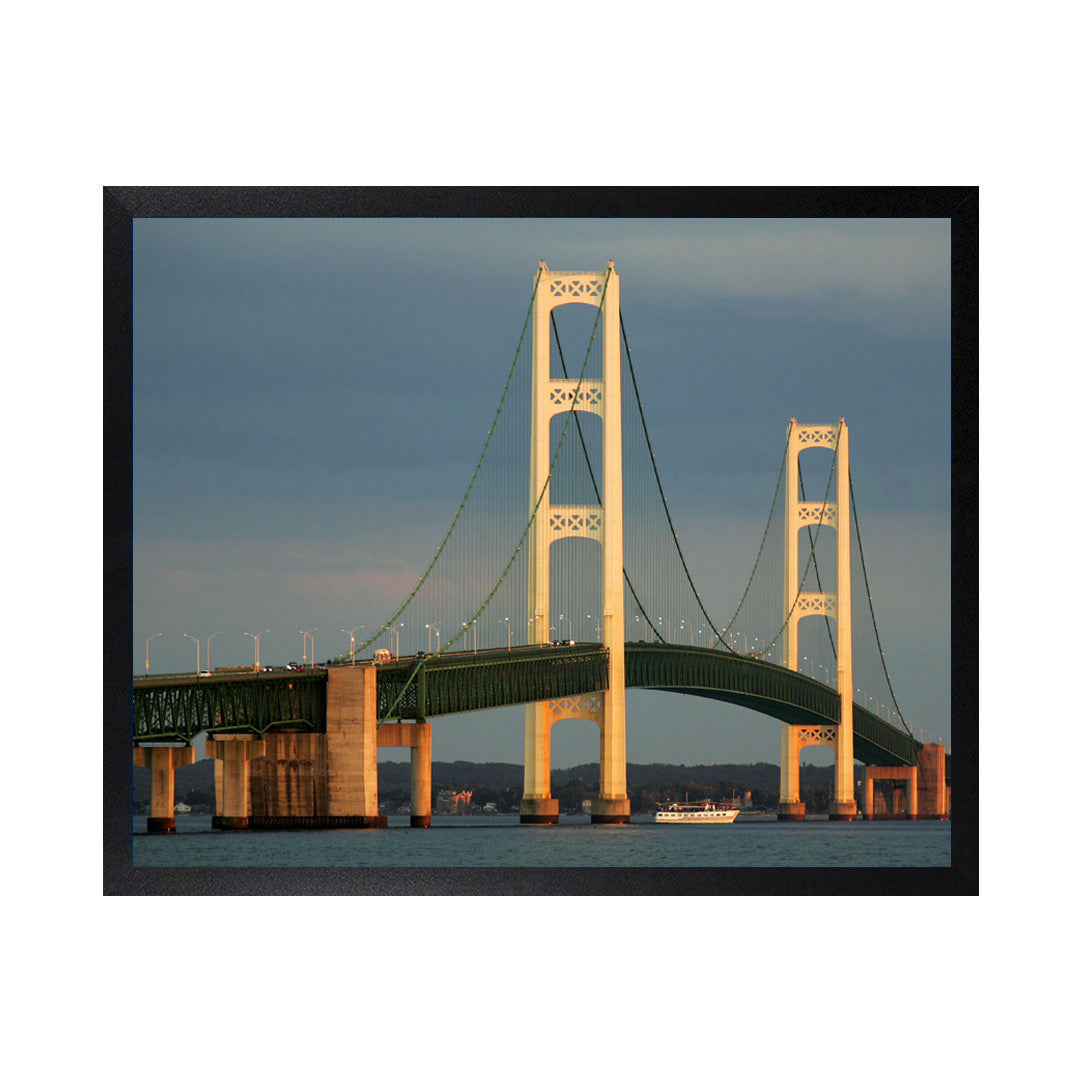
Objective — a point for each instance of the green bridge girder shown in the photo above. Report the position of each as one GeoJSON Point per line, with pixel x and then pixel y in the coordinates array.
{"type": "Point", "coordinates": [765, 688]}
{"type": "Point", "coordinates": [177, 708]}
{"type": "Point", "coordinates": [464, 682]}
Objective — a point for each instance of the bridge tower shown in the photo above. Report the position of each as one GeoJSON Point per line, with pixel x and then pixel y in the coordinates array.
{"type": "Point", "coordinates": [604, 524]}
{"type": "Point", "coordinates": [836, 514]}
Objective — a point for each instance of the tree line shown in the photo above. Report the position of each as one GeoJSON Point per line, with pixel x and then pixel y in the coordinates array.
{"type": "Point", "coordinates": [647, 785]}
{"type": "Point", "coordinates": [501, 783]}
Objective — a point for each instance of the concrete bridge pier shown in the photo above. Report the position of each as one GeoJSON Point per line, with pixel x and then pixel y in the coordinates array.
{"type": "Point", "coordinates": [933, 791]}
{"type": "Point", "coordinates": [232, 755]}
{"type": "Point", "coordinates": [162, 761]}
{"type": "Point", "coordinates": [314, 780]}
{"type": "Point", "coordinates": [347, 779]}
{"type": "Point", "coordinates": [905, 801]}
{"type": "Point", "coordinates": [418, 738]}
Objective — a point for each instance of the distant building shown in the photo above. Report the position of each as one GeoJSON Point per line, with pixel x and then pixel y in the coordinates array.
{"type": "Point", "coordinates": [452, 802]}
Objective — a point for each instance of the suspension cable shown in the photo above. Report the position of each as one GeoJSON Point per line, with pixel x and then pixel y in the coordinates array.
{"type": "Point", "coordinates": [870, 604]}
{"type": "Point", "coordinates": [532, 517]}
{"type": "Point", "coordinates": [764, 537]}
{"type": "Point", "coordinates": [592, 473]}
{"type": "Point", "coordinates": [660, 486]}
{"type": "Point", "coordinates": [551, 469]}
{"type": "Point", "coordinates": [472, 482]}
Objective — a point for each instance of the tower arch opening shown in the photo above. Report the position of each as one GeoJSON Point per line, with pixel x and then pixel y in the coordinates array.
{"type": "Point", "coordinates": [572, 326]}
{"type": "Point", "coordinates": [576, 601]}
{"type": "Point", "coordinates": [577, 469]}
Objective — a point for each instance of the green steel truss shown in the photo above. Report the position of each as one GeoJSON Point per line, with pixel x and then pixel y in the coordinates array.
{"type": "Point", "coordinates": [172, 708]}
{"type": "Point", "coordinates": [766, 688]}
{"type": "Point", "coordinates": [463, 682]}
{"type": "Point", "coordinates": [179, 707]}
{"type": "Point", "coordinates": [879, 743]}
{"type": "Point", "coordinates": [723, 676]}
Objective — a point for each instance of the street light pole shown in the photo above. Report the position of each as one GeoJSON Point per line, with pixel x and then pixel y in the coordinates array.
{"type": "Point", "coordinates": [352, 641]}
{"type": "Point", "coordinates": [198, 666]}
{"type": "Point", "coordinates": [148, 640]}
{"type": "Point", "coordinates": [255, 638]}
{"type": "Point", "coordinates": [208, 640]}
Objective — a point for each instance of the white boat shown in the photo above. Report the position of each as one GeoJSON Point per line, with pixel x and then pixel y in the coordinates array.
{"type": "Point", "coordinates": [707, 812]}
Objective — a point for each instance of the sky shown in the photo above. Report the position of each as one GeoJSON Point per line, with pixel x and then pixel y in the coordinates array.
{"type": "Point", "coordinates": [310, 397]}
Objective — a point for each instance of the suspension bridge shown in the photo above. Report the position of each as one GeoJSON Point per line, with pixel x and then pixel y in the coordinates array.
{"type": "Point", "coordinates": [588, 541]}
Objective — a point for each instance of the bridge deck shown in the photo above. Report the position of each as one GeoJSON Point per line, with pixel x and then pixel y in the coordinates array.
{"type": "Point", "coordinates": [178, 707]}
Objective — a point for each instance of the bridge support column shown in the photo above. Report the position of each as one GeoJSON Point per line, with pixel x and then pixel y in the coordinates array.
{"type": "Point", "coordinates": [904, 802]}
{"type": "Point", "coordinates": [314, 780]}
{"type": "Point", "coordinates": [282, 781]}
{"type": "Point", "coordinates": [791, 809]}
{"type": "Point", "coordinates": [844, 807]}
{"type": "Point", "coordinates": [418, 738]}
{"type": "Point", "coordinates": [232, 756]}
{"type": "Point", "coordinates": [349, 781]}
{"type": "Point", "coordinates": [537, 805]}
{"type": "Point", "coordinates": [933, 792]}
{"type": "Point", "coordinates": [162, 761]}
{"type": "Point", "coordinates": [610, 811]}
{"type": "Point", "coordinates": [613, 806]}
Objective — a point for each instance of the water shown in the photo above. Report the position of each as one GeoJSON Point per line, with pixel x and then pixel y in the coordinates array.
{"type": "Point", "coordinates": [471, 842]}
